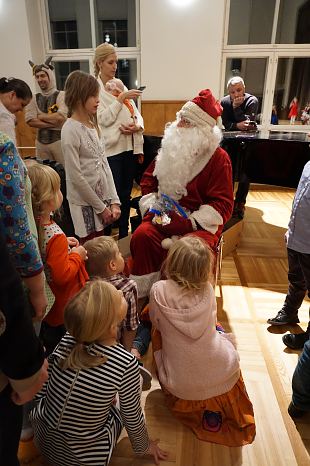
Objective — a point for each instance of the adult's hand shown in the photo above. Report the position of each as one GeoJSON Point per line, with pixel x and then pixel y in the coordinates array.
{"type": "Point", "coordinates": [131, 94]}
{"type": "Point", "coordinates": [157, 453]}
{"type": "Point", "coordinates": [37, 294]}
{"type": "Point", "coordinates": [116, 212]}
{"type": "Point", "coordinates": [22, 397]}
{"type": "Point", "coordinates": [243, 125]}
{"type": "Point", "coordinates": [106, 216]}
{"type": "Point", "coordinates": [178, 225]}
{"type": "Point", "coordinates": [130, 128]}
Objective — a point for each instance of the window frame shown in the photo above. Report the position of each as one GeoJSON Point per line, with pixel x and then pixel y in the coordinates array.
{"type": "Point", "coordinates": [84, 54]}
{"type": "Point", "coordinates": [272, 52]}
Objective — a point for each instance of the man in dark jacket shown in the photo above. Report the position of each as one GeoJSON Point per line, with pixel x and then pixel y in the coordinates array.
{"type": "Point", "coordinates": [239, 114]}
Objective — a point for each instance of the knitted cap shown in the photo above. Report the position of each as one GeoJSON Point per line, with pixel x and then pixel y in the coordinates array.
{"type": "Point", "coordinates": [202, 110]}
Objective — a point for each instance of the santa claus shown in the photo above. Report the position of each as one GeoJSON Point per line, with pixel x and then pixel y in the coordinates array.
{"type": "Point", "coordinates": [193, 170]}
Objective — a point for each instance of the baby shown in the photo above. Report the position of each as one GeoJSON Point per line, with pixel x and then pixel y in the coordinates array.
{"type": "Point", "coordinates": [115, 87]}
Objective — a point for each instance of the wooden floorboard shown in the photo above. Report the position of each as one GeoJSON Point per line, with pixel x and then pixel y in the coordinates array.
{"type": "Point", "coordinates": [252, 288]}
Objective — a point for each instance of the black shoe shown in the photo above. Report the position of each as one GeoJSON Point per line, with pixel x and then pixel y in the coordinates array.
{"type": "Point", "coordinates": [295, 412]}
{"type": "Point", "coordinates": [282, 318]}
{"type": "Point", "coordinates": [295, 341]}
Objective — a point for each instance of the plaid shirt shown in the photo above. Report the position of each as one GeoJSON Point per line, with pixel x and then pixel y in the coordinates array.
{"type": "Point", "coordinates": [129, 289]}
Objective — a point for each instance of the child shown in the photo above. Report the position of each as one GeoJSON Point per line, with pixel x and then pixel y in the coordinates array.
{"type": "Point", "coordinates": [64, 267]}
{"type": "Point", "coordinates": [91, 193]}
{"type": "Point", "coordinates": [115, 87]}
{"type": "Point", "coordinates": [298, 253]}
{"type": "Point", "coordinates": [293, 111]}
{"type": "Point", "coordinates": [106, 261]}
{"type": "Point", "coordinates": [75, 420]}
{"type": "Point", "coordinates": [198, 366]}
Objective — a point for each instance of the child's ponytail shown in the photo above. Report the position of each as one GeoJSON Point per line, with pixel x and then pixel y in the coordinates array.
{"type": "Point", "coordinates": [81, 358]}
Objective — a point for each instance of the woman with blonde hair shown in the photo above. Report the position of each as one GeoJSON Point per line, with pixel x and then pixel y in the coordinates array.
{"type": "Point", "coordinates": [76, 421]}
{"type": "Point", "coordinates": [197, 362]}
{"type": "Point", "coordinates": [115, 121]}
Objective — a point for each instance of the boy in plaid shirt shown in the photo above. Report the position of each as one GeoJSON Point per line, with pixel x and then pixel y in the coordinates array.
{"type": "Point", "coordinates": [105, 261]}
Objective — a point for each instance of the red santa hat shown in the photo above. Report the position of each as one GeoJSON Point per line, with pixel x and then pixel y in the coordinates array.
{"type": "Point", "coordinates": [202, 110]}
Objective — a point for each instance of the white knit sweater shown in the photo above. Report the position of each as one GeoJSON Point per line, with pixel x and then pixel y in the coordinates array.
{"type": "Point", "coordinates": [111, 115]}
{"type": "Point", "coordinates": [196, 362]}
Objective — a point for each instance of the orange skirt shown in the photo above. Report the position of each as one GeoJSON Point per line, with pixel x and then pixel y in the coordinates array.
{"type": "Point", "coordinates": [226, 419]}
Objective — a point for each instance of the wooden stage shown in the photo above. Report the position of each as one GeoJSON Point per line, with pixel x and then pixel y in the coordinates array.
{"type": "Point", "coordinates": [252, 289]}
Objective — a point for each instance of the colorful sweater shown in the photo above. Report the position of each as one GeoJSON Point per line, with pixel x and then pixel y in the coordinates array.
{"type": "Point", "coordinates": [14, 223]}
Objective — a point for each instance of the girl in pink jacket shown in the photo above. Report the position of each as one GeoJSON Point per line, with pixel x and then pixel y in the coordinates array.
{"type": "Point", "coordinates": [198, 364]}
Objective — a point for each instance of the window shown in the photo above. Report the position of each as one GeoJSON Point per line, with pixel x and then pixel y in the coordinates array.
{"type": "Point", "coordinates": [127, 72]}
{"type": "Point", "coordinates": [64, 34]}
{"type": "Point", "coordinates": [69, 24]}
{"type": "Point", "coordinates": [292, 82]}
{"type": "Point", "coordinates": [253, 71]}
{"type": "Point", "coordinates": [274, 69]}
{"type": "Point", "coordinates": [250, 22]}
{"type": "Point", "coordinates": [74, 28]}
{"type": "Point", "coordinates": [116, 22]}
{"type": "Point", "coordinates": [293, 22]}
{"type": "Point", "coordinates": [63, 68]}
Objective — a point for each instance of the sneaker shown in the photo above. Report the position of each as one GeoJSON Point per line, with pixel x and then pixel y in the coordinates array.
{"type": "Point", "coordinates": [282, 318]}
{"type": "Point", "coordinates": [295, 341]}
{"type": "Point", "coordinates": [146, 378]}
{"type": "Point", "coordinates": [295, 412]}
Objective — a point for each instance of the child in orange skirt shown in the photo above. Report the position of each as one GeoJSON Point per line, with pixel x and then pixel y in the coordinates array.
{"type": "Point", "coordinates": [197, 363]}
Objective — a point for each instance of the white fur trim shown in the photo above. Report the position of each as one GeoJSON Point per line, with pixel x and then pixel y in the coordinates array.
{"type": "Point", "coordinates": [208, 218]}
{"type": "Point", "coordinates": [194, 114]}
{"type": "Point", "coordinates": [146, 202]}
{"type": "Point", "coordinates": [145, 282]}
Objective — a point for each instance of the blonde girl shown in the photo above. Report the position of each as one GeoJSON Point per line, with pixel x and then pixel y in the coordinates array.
{"type": "Point", "coordinates": [91, 193]}
{"type": "Point", "coordinates": [76, 421]}
{"type": "Point", "coordinates": [198, 366]}
{"type": "Point", "coordinates": [64, 265]}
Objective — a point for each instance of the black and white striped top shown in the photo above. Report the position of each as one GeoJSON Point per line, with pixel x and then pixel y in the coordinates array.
{"type": "Point", "coordinates": [73, 419]}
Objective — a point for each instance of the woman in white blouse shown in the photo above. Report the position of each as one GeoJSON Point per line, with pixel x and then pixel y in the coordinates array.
{"type": "Point", "coordinates": [118, 127]}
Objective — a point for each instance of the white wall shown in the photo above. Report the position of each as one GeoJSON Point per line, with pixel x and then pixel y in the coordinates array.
{"type": "Point", "coordinates": [180, 48]}
{"type": "Point", "coordinates": [15, 48]}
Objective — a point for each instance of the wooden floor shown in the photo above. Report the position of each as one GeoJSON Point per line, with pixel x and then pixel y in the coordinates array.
{"type": "Point", "coordinates": [252, 289]}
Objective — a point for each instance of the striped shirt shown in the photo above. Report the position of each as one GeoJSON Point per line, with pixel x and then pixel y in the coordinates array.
{"type": "Point", "coordinates": [75, 422]}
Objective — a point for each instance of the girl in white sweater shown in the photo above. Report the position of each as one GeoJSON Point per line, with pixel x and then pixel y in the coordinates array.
{"type": "Point", "coordinates": [198, 366]}
{"type": "Point", "coordinates": [91, 192]}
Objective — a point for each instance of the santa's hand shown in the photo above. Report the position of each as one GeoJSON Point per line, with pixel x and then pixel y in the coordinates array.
{"type": "Point", "coordinates": [178, 225]}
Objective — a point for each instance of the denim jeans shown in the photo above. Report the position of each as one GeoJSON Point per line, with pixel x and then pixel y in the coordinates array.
{"type": "Point", "coordinates": [301, 380]}
{"type": "Point", "coordinates": [143, 337]}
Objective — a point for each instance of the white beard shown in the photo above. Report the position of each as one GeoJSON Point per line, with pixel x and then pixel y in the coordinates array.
{"type": "Point", "coordinates": [184, 153]}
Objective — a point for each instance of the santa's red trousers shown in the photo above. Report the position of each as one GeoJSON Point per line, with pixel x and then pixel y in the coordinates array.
{"type": "Point", "coordinates": [147, 251]}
